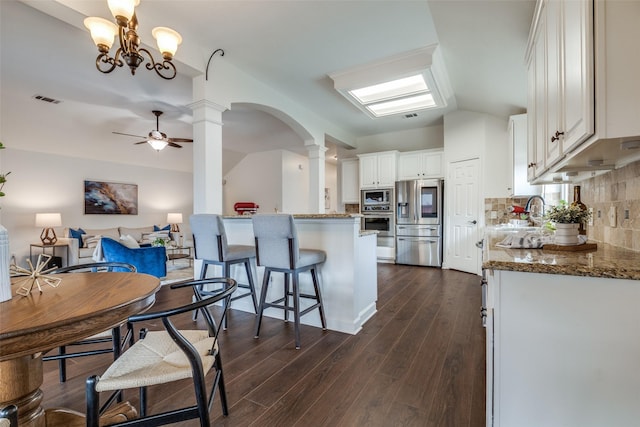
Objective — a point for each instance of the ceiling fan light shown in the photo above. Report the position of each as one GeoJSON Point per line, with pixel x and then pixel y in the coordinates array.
{"type": "Point", "coordinates": [102, 32]}
{"type": "Point", "coordinates": [157, 144]}
{"type": "Point", "coordinates": [122, 9]}
{"type": "Point", "coordinates": [168, 41]}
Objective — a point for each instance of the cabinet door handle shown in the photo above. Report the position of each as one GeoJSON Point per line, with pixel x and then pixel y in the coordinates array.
{"type": "Point", "coordinates": [556, 137]}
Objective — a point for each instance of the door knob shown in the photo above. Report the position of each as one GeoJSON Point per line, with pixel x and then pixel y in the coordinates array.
{"type": "Point", "coordinates": [474, 222]}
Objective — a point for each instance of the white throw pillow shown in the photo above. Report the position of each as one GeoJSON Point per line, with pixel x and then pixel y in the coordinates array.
{"type": "Point", "coordinates": [129, 241]}
{"type": "Point", "coordinates": [90, 241]}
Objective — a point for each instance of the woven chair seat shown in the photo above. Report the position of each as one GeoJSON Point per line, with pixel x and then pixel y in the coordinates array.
{"type": "Point", "coordinates": [156, 359]}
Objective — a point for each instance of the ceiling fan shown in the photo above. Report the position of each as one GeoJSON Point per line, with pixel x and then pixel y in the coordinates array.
{"type": "Point", "coordinates": [158, 140]}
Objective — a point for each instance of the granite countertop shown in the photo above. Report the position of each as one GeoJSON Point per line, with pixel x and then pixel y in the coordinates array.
{"type": "Point", "coordinates": [306, 216]}
{"type": "Point", "coordinates": [606, 261]}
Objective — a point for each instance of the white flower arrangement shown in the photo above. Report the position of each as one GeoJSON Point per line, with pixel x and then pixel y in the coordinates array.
{"type": "Point", "coordinates": [565, 213]}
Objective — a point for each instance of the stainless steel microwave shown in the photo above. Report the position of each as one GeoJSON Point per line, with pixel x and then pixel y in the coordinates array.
{"type": "Point", "coordinates": [378, 200]}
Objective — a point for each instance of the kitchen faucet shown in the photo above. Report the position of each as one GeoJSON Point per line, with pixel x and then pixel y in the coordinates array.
{"type": "Point", "coordinates": [527, 207]}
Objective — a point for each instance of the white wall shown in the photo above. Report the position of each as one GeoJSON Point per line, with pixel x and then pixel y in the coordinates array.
{"type": "Point", "coordinates": [256, 178]}
{"type": "Point", "coordinates": [41, 182]}
{"type": "Point", "coordinates": [295, 183]}
{"type": "Point", "coordinates": [496, 158]}
{"type": "Point", "coordinates": [476, 135]}
{"type": "Point", "coordinates": [406, 140]}
{"type": "Point", "coordinates": [331, 182]}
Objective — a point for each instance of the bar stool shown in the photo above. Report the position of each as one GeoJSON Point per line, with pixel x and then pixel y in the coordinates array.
{"type": "Point", "coordinates": [211, 247]}
{"type": "Point", "coordinates": [278, 251]}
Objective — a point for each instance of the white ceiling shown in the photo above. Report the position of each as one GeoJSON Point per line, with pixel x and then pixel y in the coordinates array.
{"type": "Point", "coordinates": [291, 45]}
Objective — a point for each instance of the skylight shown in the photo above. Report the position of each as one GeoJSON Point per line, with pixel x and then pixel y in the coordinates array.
{"type": "Point", "coordinates": [397, 85]}
{"type": "Point", "coordinates": [396, 96]}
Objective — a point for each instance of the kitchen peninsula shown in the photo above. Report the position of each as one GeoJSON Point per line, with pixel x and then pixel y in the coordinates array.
{"type": "Point", "coordinates": [563, 336]}
{"type": "Point", "coordinates": [348, 277]}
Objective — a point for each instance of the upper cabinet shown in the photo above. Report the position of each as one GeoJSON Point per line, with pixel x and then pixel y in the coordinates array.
{"type": "Point", "coordinates": [378, 169]}
{"type": "Point", "coordinates": [518, 184]}
{"type": "Point", "coordinates": [349, 181]}
{"type": "Point", "coordinates": [580, 51]}
{"type": "Point", "coordinates": [561, 85]}
{"type": "Point", "coordinates": [420, 164]}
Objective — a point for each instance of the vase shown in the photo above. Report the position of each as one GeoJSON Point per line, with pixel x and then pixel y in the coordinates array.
{"type": "Point", "coordinates": [5, 282]}
{"type": "Point", "coordinates": [567, 234]}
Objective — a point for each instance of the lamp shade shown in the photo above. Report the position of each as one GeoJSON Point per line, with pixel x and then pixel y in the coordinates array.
{"type": "Point", "coordinates": [123, 8]}
{"type": "Point", "coordinates": [102, 31]}
{"type": "Point", "coordinates": [174, 218]}
{"type": "Point", "coordinates": [47, 220]}
{"type": "Point", "coordinates": [168, 41]}
{"type": "Point", "coordinates": [157, 144]}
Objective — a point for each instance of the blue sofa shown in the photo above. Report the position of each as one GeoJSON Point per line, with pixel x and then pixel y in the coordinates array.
{"type": "Point", "coordinates": [150, 260]}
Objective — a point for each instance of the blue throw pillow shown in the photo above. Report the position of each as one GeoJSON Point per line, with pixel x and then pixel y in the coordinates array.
{"type": "Point", "coordinates": [165, 228]}
{"type": "Point", "coordinates": [77, 234]}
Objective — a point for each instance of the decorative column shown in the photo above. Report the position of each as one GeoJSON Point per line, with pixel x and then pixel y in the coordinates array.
{"type": "Point", "coordinates": [316, 177]}
{"type": "Point", "coordinates": [207, 157]}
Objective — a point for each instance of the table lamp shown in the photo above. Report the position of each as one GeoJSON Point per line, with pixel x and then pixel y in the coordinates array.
{"type": "Point", "coordinates": [174, 219]}
{"type": "Point", "coordinates": [47, 221]}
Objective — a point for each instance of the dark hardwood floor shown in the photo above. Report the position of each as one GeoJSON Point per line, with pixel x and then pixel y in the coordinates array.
{"type": "Point", "coordinates": [420, 361]}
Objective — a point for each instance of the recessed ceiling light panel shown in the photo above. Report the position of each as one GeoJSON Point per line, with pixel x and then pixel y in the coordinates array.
{"type": "Point", "coordinates": [396, 85]}
{"type": "Point", "coordinates": [391, 89]}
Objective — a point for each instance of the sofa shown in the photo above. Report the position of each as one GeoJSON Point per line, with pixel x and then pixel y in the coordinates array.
{"type": "Point", "coordinates": [83, 241]}
{"type": "Point", "coordinates": [148, 260]}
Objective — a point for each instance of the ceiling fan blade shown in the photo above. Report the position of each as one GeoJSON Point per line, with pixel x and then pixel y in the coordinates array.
{"type": "Point", "coordinates": [128, 134]}
{"type": "Point", "coordinates": [141, 142]}
{"type": "Point", "coordinates": [174, 145]}
{"type": "Point", "coordinates": [179, 140]}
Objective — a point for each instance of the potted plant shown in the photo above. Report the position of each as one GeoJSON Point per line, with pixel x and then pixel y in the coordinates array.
{"type": "Point", "coordinates": [567, 218]}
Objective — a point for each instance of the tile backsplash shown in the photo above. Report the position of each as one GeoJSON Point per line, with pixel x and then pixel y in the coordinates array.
{"type": "Point", "coordinates": [496, 210]}
{"type": "Point", "coordinates": [616, 192]}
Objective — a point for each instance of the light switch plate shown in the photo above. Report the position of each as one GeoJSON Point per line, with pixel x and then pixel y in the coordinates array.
{"type": "Point", "coordinates": [612, 216]}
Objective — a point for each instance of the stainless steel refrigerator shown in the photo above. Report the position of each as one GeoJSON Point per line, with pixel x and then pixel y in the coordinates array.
{"type": "Point", "coordinates": [419, 218]}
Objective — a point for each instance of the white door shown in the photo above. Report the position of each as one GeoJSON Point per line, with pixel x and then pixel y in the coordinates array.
{"type": "Point", "coordinates": [464, 206]}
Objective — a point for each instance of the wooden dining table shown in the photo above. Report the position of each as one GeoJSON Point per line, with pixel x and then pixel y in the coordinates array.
{"type": "Point", "coordinates": [82, 305]}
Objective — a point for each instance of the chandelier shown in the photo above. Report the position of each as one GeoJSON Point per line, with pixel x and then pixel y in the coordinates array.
{"type": "Point", "coordinates": [103, 33]}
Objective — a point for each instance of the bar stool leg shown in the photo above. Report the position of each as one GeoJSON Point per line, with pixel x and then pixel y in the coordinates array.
{"type": "Point", "coordinates": [287, 292]}
{"type": "Point", "coordinates": [263, 297]}
{"type": "Point", "coordinates": [316, 285]}
{"type": "Point", "coordinates": [296, 307]}
{"type": "Point", "coordinates": [247, 266]}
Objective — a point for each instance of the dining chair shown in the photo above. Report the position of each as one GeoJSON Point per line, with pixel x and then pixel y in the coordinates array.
{"type": "Point", "coordinates": [211, 247]}
{"type": "Point", "coordinates": [277, 249]}
{"type": "Point", "coordinates": [113, 336]}
{"type": "Point", "coordinates": [165, 356]}
{"type": "Point", "coordinates": [9, 416]}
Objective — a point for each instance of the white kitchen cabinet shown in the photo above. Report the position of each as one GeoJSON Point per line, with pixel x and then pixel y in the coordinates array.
{"type": "Point", "coordinates": [518, 184]}
{"type": "Point", "coordinates": [421, 164]}
{"type": "Point", "coordinates": [378, 169]}
{"type": "Point", "coordinates": [349, 181]}
{"type": "Point", "coordinates": [561, 87]}
{"type": "Point", "coordinates": [562, 350]}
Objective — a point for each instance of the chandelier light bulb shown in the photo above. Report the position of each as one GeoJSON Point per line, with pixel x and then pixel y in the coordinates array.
{"type": "Point", "coordinates": [122, 9]}
{"type": "Point", "coordinates": [102, 32]}
{"type": "Point", "coordinates": [168, 41]}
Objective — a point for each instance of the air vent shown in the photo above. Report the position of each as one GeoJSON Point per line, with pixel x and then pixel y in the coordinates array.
{"type": "Point", "coordinates": [46, 99]}
{"type": "Point", "coordinates": [411, 115]}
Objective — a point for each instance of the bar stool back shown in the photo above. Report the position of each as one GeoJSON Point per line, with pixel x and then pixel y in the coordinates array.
{"type": "Point", "coordinates": [278, 250]}
{"type": "Point", "coordinates": [211, 247]}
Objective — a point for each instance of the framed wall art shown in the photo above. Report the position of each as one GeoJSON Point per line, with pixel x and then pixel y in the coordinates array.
{"type": "Point", "coordinates": [110, 198]}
